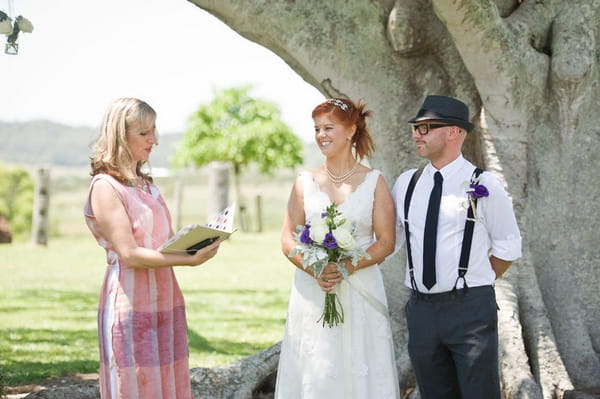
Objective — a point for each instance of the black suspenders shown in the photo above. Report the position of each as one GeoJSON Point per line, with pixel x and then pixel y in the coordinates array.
{"type": "Point", "coordinates": [465, 252]}
{"type": "Point", "coordinates": [407, 198]}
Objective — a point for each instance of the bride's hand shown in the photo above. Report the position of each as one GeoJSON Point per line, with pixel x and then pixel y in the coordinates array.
{"type": "Point", "coordinates": [329, 277]}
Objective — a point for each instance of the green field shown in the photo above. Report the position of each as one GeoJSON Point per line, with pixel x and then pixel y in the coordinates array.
{"type": "Point", "coordinates": [236, 303]}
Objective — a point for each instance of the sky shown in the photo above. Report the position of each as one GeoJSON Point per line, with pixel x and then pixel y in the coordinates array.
{"type": "Point", "coordinates": [83, 54]}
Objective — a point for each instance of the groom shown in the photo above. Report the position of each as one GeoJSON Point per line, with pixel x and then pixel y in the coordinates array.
{"type": "Point", "coordinates": [461, 234]}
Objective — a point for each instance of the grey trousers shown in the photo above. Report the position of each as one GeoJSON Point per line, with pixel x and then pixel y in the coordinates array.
{"type": "Point", "coordinates": [453, 344]}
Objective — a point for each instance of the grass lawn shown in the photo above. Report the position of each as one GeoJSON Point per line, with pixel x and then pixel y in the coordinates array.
{"type": "Point", "coordinates": [236, 303]}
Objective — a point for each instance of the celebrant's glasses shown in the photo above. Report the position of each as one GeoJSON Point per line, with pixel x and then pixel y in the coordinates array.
{"type": "Point", "coordinates": [424, 128]}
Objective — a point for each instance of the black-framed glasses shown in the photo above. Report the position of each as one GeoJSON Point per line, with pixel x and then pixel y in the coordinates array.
{"type": "Point", "coordinates": [424, 128]}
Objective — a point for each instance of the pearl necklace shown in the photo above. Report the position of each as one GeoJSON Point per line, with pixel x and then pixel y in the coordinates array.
{"type": "Point", "coordinates": [343, 177]}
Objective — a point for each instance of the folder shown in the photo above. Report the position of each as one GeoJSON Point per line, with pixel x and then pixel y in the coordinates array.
{"type": "Point", "coordinates": [194, 237]}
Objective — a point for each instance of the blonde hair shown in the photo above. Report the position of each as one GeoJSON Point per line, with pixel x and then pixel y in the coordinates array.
{"type": "Point", "coordinates": [111, 153]}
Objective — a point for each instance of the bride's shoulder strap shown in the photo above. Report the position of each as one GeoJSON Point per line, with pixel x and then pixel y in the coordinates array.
{"type": "Point", "coordinates": [373, 177]}
{"type": "Point", "coordinates": [305, 177]}
{"type": "Point", "coordinates": [307, 182]}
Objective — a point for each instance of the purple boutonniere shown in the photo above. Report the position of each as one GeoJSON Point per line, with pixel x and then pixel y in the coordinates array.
{"type": "Point", "coordinates": [478, 191]}
{"type": "Point", "coordinates": [475, 192]}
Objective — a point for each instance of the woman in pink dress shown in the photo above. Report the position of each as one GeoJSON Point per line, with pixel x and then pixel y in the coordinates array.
{"type": "Point", "coordinates": [142, 328]}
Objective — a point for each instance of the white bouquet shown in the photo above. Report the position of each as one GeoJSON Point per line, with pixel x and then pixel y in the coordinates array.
{"type": "Point", "coordinates": [329, 238]}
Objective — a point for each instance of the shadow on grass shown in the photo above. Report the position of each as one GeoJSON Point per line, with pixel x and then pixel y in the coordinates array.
{"type": "Point", "coordinates": [31, 373]}
{"type": "Point", "coordinates": [46, 296]}
{"type": "Point", "coordinates": [198, 343]}
{"type": "Point", "coordinates": [29, 355]}
{"type": "Point", "coordinates": [244, 292]}
{"type": "Point", "coordinates": [258, 300]}
{"type": "Point", "coordinates": [60, 305]}
{"type": "Point", "coordinates": [24, 339]}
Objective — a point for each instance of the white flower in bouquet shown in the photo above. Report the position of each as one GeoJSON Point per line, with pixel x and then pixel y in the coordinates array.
{"type": "Point", "coordinates": [24, 24]}
{"type": "Point", "coordinates": [339, 219]}
{"type": "Point", "coordinates": [343, 237]}
{"type": "Point", "coordinates": [318, 229]}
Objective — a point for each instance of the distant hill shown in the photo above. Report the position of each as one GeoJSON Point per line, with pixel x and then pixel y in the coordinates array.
{"type": "Point", "coordinates": [46, 143]}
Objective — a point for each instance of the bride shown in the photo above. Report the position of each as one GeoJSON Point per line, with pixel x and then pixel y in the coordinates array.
{"type": "Point", "coordinates": [354, 359]}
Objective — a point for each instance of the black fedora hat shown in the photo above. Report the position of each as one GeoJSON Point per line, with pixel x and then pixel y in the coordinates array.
{"type": "Point", "coordinates": [446, 110]}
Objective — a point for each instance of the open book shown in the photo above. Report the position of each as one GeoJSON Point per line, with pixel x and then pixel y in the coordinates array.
{"type": "Point", "coordinates": [193, 237]}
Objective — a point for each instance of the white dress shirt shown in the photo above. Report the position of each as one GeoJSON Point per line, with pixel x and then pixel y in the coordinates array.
{"type": "Point", "coordinates": [496, 232]}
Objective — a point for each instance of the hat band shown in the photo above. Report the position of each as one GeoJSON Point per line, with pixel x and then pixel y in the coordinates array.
{"type": "Point", "coordinates": [437, 115]}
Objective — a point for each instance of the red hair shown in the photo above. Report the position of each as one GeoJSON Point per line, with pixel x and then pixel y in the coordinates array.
{"type": "Point", "coordinates": [348, 114]}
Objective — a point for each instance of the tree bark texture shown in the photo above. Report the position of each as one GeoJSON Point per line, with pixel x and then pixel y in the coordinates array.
{"type": "Point", "coordinates": [528, 69]}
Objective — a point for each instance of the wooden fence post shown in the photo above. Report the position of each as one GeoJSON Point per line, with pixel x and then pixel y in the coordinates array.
{"type": "Point", "coordinates": [259, 218]}
{"type": "Point", "coordinates": [218, 188]}
{"type": "Point", "coordinates": [41, 205]}
{"type": "Point", "coordinates": [177, 199]}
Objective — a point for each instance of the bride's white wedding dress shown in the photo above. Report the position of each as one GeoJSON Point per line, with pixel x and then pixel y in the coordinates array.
{"type": "Point", "coordinates": [354, 359]}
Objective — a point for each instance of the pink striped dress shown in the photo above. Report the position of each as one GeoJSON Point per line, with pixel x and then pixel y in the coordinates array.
{"type": "Point", "coordinates": [142, 328]}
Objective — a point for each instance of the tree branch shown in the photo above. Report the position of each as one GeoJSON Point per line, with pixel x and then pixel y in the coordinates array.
{"type": "Point", "coordinates": [532, 21]}
{"type": "Point", "coordinates": [506, 72]}
{"type": "Point", "coordinates": [574, 56]}
{"type": "Point", "coordinates": [499, 58]}
{"type": "Point", "coordinates": [236, 380]}
{"type": "Point", "coordinates": [480, 37]}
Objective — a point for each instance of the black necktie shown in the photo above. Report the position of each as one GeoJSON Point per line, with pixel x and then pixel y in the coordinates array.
{"type": "Point", "coordinates": [430, 236]}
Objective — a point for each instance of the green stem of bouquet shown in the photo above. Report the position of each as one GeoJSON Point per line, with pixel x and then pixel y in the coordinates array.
{"type": "Point", "coordinates": [331, 316]}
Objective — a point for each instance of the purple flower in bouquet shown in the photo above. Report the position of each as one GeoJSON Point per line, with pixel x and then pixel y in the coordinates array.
{"type": "Point", "coordinates": [330, 242]}
{"type": "Point", "coordinates": [478, 190]}
{"type": "Point", "coordinates": [305, 236]}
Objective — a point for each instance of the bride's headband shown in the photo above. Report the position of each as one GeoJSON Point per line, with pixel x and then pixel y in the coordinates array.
{"type": "Point", "coordinates": [338, 103]}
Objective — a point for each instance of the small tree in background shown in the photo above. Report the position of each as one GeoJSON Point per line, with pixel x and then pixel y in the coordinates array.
{"type": "Point", "coordinates": [240, 130]}
{"type": "Point", "coordinates": [16, 198]}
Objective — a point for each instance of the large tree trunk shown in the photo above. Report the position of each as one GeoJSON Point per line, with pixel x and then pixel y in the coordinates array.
{"type": "Point", "coordinates": [529, 72]}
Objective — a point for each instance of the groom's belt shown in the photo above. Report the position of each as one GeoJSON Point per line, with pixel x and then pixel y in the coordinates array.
{"type": "Point", "coordinates": [454, 294]}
